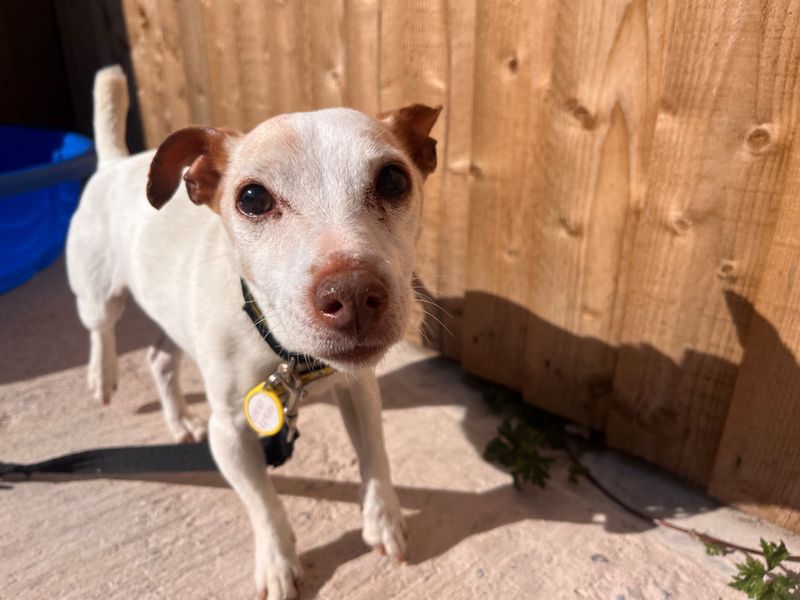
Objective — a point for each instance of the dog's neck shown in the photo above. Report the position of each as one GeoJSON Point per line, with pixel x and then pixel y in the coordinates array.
{"type": "Point", "coordinates": [269, 313]}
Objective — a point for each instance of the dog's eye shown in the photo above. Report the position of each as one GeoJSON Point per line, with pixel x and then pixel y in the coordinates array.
{"type": "Point", "coordinates": [392, 182]}
{"type": "Point", "coordinates": [255, 200]}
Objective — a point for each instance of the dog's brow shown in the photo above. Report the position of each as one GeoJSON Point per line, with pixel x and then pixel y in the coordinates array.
{"type": "Point", "coordinates": [277, 132]}
{"type": "Point", "coordinates": [284, 132]}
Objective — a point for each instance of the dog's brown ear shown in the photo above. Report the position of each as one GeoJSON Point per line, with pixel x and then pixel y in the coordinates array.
{"type": "Point", "coordinates": [204, 150]}
{"type": "Point", "coordinates": [412, 126]}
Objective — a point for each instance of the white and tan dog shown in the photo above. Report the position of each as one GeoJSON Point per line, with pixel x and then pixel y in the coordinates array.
{"type": "Point", "coordinates": [318, 212]}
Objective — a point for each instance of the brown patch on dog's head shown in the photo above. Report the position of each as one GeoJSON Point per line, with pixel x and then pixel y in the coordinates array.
{"type": "Point", "coordinates": [204, 150]}
{"type": "Point", "coordinates": [411, 126]}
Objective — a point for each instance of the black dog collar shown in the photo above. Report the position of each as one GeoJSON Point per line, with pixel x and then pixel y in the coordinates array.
{"type": "Point", "coordinates": [302, 362]}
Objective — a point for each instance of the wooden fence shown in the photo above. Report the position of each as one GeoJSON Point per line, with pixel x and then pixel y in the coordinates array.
{"type": "Point", "coordinates": [613, 227]}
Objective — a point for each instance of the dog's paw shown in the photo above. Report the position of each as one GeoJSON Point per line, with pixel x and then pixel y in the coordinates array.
{"type": "Point", "coordinates": [188, 428]}
{"type": "Point", "coordinates": [278, 571]}
{"type": "Point", "coordinates": [384, 526]}
{"type": "Point", "coordinates": [102, 380]}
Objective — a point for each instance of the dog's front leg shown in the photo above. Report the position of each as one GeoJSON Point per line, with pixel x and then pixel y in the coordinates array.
{"type": "Point", "coordinates": [239, 456]}
{"type": "Point", "coordinates": [360, 405]}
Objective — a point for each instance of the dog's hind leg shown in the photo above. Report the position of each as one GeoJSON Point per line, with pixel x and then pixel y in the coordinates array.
{"type": "Point", "coordinates": [100, 295]}
{"type": "Point", "coordinates": [164, 358]}
{"type": "Point", "coordinates": [100, 317]}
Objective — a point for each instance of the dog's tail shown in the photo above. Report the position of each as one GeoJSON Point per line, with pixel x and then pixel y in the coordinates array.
{"type": "Point", "coordinates": [110, 110]}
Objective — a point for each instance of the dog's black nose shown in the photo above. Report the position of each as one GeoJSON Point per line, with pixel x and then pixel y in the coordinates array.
{"type": "Point", "coordinates": [350, 300]}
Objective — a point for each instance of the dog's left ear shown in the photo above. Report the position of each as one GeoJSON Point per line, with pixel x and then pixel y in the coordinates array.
{"type": "Point", "coordinates": [412, 126]}
{"type": "Point", "coordinates": [204, 150]}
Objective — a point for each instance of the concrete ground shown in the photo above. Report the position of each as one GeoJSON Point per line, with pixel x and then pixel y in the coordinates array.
{"type": "Point", "coordinates": [471, 534]}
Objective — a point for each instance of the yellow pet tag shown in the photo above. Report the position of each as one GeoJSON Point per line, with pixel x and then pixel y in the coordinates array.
{"type": "Point", "coordinates": [263, 410]}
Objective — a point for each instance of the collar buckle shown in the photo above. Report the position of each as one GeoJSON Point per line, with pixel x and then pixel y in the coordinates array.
{"type": "Point", "coordinates": [288, 384]}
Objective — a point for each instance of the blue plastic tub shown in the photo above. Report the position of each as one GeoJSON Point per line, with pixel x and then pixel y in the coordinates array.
{"type": "Point", "coordinates": [40, 181]}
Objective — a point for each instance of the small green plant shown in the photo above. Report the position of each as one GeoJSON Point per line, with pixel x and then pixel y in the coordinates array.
{"type": "Point", "coordinates": [760, 581]}
{"type": "Point", "coordinates": [517, 447]}
{"type": "Point", "coordinates": [523, 434]}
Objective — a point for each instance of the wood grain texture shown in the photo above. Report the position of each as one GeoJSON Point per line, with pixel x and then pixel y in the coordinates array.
{"type": "Point", "coordinates": [587, 184]}
{"type": "Point", "coordinates": [221, 27]}
{"type": "Point", "coordinates": [455, 170]}
{"type": "Point", "coordinates": [196, 66]}
{"type": "Point", "coordinates": [326, 53]}
{"type": "Point", "coordinates": [361, 29]}
{"type": "Point", "coordinates": [705, 229]}
{"type": "Point", "coordinates": [507, 62]}
{"type": "Point", "coordinates": [157, 55]}
{"type": "Point", "coordinates": [758, 463]}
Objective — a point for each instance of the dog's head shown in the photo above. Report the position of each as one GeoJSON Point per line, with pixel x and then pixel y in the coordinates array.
{"type": "Point", "coordinates": [322, 210]}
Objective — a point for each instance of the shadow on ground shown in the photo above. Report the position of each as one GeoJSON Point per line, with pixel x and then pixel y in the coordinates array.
{"type": "Point", "coordinates": [42, 313]}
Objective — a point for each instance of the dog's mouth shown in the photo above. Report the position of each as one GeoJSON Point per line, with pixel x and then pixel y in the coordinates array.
{"type": "Point", "coordinates": [347, 350]}
{"type": "Point", "coordinates": [357, 355]}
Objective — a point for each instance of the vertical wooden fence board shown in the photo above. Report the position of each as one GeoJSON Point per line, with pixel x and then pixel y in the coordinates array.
{"type": "Point", "coordinates": [362, 27]}
{"type": "Point", "coordinates": [327, 58]}
{"type": "Point", "coordinates": [241, 61]}
{"type": "Point", "coordinates": [413, 53]}
{"type": "Point", "coordinates": [659, 20]}
{"type": "Point", "coordinates": [223, 60]}
{"type": "Point", "coordinates": [507, 65]}
{"type": "Point", "coordinates": [758, 463]}
{"type": "Point", "coordinates": [155, 39]}
{"type": "Point", "coordinates": [289, 54]}
{"type": "Point", "coordinates": [586, 182]}
{"type": "Point", "coordinates": [455, 158]}
{"type": "Point", "coordinates": [708, 219]}
{"type": "Point", "coordinates": [194, 46]}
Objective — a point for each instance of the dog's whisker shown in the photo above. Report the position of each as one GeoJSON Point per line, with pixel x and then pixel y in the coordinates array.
{"type": "Point", "coordinates": [439, 321]}
{"type": "Point", "coordinates": [435, 305]}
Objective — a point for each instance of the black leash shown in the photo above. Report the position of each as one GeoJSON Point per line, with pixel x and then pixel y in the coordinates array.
{"type": "Point", "coordinates": [125, 460]}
